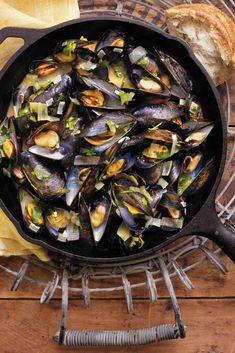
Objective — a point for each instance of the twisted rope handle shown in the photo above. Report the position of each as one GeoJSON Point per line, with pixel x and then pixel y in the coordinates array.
{"type": "Point", "coordinates": [75, 338]}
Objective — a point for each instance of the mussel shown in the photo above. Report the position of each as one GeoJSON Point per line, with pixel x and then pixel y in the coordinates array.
{"type": "Point", "coordinates": [121, 163]}
{"type": "Point", "coordinates": [65, 52]}
{"type": "Point", "coordinates": [105, 131]}
{"type": "Point", "coordinates": [8, 139]}
{"type": "Point", "coordinates": [146, 83]}
{"type": "Point", "coordinates": [172, 204]}
{"type": "Point", "coordinates": [62, 224]}
{"type": "Point", "coordinates": [117, 74]}
{"type": "Point", "coordinates": [198, 136]}
{"type": "Point", "coordinates": [191, 166]}
{"type": "Point", "coordinates": [114, 37]}
{"type": "Point", "coordinates": [47, 180]}
{"type": "Point", "coordinates": [53, 141]}
{"type": "Point", "coordinates": [75, 179]}
{"type": "Point", "coordinates": [99, 210]}
{"type": "Point", "coordinates": [32, 211]}
{"type": "Point", "coordinates": [43, 68]}
{"type": "Point", "coordinates": [180, 83]}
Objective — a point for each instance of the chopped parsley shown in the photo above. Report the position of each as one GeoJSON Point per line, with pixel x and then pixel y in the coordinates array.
{"type": "Point", "coordinates": [71, 123]}
{"type": "Point", "coordinates": [70, 48]}
{"type": "Point", "coordinates": [126, 97]}
{"type": "Point", "coordinates": [112, 126]}
{"type": "Point", "coordinates": [87, 151]}
{"type": "Point", "coordinates": [74, 101]}
{"type": "Point", "coordinates": [103, 63]}
{"type": "Point", "coordinates": [36, 215]}
{"type": "Point", "coordinates": [143, 61]}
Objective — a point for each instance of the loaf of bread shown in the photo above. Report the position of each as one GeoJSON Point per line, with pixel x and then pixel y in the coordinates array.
{"type": "Point", "coordinates": [209, 32]}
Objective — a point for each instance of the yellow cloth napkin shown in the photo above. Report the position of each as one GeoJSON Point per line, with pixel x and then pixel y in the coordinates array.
{"type": "Point", "coordinates": [34, 14]}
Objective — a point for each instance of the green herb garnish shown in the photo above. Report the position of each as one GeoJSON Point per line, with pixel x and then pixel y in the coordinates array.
{"type": "Point", "coordinates": [74, 101]}
{"type": "Point", "coordinates": [143, 61]}
{"type": "Point", "coordinates": [112, 126]}
{"type": "Point", "coordinates": [64, 191]}
{"type": "Point", "coordinates": [70, 47]}
{"type": "Point", "coordinates": [71, 123]}
{"type": "Point", "coordinates": [36, 215]}
{"type": "Point", "coordinates": [126, 97]}
{"type": "Point", "coordinates": [87, 151]}
{"type": "Point", "coordinates": [103, 63]}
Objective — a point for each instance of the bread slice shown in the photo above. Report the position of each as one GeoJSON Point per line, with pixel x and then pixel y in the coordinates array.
{"type": "Point", "coordinates": [210, 33]}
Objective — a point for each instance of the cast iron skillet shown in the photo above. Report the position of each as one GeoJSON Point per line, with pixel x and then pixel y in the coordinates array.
{"type": "Point", "coordinates": [202, 218]}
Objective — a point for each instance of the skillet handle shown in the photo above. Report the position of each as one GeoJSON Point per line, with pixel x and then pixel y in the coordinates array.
{"type": "Point", "coordinates": [28, 34]}
{"type": "Point", "coordinates": [221, 234]}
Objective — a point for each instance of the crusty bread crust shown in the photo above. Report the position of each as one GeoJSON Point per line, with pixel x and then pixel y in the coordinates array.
{"type": "Point", "coordinates": [219, 25]}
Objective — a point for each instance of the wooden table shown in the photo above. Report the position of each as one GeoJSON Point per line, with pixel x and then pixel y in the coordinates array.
{"type": "Point", "coordinates": [208, 311]}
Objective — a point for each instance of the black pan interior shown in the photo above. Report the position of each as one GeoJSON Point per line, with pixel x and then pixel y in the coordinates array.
{"type": "Point", "coordinates": [149, 38]}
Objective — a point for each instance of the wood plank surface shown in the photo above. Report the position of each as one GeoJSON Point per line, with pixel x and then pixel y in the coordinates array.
{"type": "Point", "coordinates": [27, 327]}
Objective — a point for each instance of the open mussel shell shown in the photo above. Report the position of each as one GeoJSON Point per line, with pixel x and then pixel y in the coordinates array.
{"type": "Point", "coordinates": [146, 83]}
{"type": "Point", "coordinates": [43, 68]}
{"type": "Point", "coordinates": [94, 98]}
{"type": "Point", "coordinates": [162, 144]}
{"type": "Point", "coordinates": [53, 141]}
{"type": "Point", "coordinates": [48, 134]}
{"type": "Point", "coordinates": [172, 204]}
{"type": "Point", "coordinates": [181, 85]}
{"type": "Point", "coordinates": [191, 166]}
{"type": "Point", "coordinates": [75, 179]}
{"type": "Point", "coordinates": [9, 145]}
{"type": "Point", "coordinates": [117, 74]}
{"type": "Point", "coordinates": [151, 115]}
{"type": "Point", "coordinates": [198, 136]}
{"type": "Point", "coordinates": [64, 151]}
{"type": "Point", "coordinates": [107, 130]}
{"type": "Point", "coordinates": [133, 202]}
{"type": "Point", "coordinates": [65, 52]}
{"type": "Point", "coordinates": [31, 211]}
{"type": "Point", "coordinates": [99, 211]}
{"type": "Point", "coordinates": [133, 217]}
{"type": "Point", "coordinates": [121, 163]}
{"type": "Point", "coordinates": [47, 180]}
{"type": "Point", "coordinates": [62, 224]}
{"type": "Point", "coordinates": [201, 179]}
{"type": "Point", "coordinates": [113, 37]}
{"type": "Point", "coordinates": [103, 86]}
